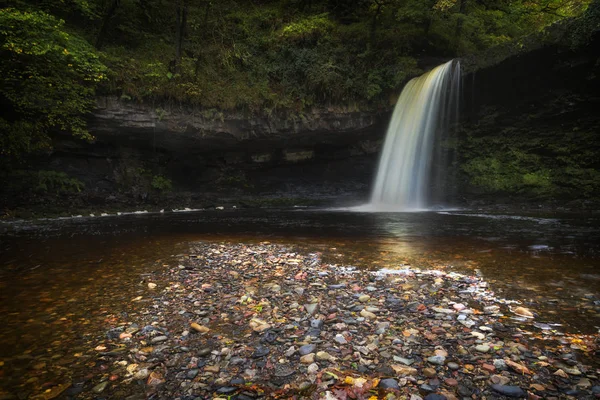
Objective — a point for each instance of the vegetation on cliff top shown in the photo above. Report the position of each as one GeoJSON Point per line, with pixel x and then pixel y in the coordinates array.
{"type": "Point", "coordinates": [255, 56]}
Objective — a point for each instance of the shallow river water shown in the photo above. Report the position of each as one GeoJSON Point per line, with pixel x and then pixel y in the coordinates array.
{"type": "Point", "coordinates": [61, 281]}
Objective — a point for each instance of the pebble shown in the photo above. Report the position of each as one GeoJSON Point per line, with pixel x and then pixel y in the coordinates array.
{"type": "Point", "coordinates": [199, 328]}
{"type": "Point", "coordinates": [290, 352]}
{"type": "Point", "coordinates": [307, 349]}
{"type": "Point", "coordinates": [453, 365]}
{"type": "Point", "coordinates": [510, 391]}
{"type": "Point", "coordinates": [435, 396]}
{"type": "Point", "coordinates": [523, 312]}
{"type": "Point", "coordinates": [482, 348]}
{"type": "Point", "coordinates": [389, 384]}
{"type": "Point", "coordinates": [364, 298]}
{"type": "Point", "coordinates": [204, 352]}
{"type": "Point", "coordinates": [311, 309]}
{"type": "Point", "coordinates": [308, 359]}
{"type": "Point", "coordinates": [437, 360]}
{"type": "Point", "coordinates": [99, 388]}
{"type": "Point", "coordinates": [323, 356]}
{"type": "Point", "coordinates": [340, 339]}
{"type": "Point", "coordinates": [141, 374]}
{"type": "Point", "coordinates": [368, 314]}
{"type": "Point", "coordinates": [159, 339]}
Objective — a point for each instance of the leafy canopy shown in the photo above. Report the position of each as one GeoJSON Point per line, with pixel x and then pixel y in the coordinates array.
{"type": "Point", "coordinates": [47, 81]}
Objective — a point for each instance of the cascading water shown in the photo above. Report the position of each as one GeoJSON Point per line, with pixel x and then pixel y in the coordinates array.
{"type": "Point", "coordinates": [410, 175]}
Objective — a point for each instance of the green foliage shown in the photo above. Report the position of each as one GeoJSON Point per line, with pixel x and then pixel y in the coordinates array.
{"type": "Point", "coordinates": [41, 182]}
{"type": "Point", "coordinates": [57, 182]}
{"type": "Point", "coordinates": [278, 55]}
{"type": "Point", "coordinates": [161, 183]}
{"type": "Point", "coordinates": [47, 81]}
{"type": "Point", "coordinates": [529, 163]}
{"type": "Point", "coordinates": [311, 28]}
{"type": "Point", "coordinates": [513, 172]}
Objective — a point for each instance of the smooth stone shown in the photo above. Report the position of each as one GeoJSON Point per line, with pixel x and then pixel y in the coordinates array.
{"type": "Point", "coordinates": [500, 365]}
{"type": "Point", "coordinates": [237, 380]}
{"type": "Point", "coordinates": [192, 373]}
{"type": "Point", "coordinates": [364, 298]}
{"type": "Point", "coordinates": [510, 391]}
{"type": "Point", "coordinates": [323, 356]}
{"type": "Point", "coordinates": [406, 361]}
{"type": "Point", "coordinates": [314, 332]}
{"type": "Point", "coordinates": [523, 312]}
{"type": "Point", "coordinates": [482, 348]}
{"type": "Point", "coordinates": [389, 384]}
{"type": "Point", "coordinates": [141, 374]}
{"type": "Point", "coordinates": [478, 335]}
{"type": "Point", "coordinates": [204, 352]}
{"type": "Point", "coordinates": [453, 365]}
{"type": "Point", "coordinates": [382, 327]}
{"type": "Point", "coordinates": [340, 339]}
{"type": "Point", "coordinates": [437, 360]}
{"type": "Point", "coordinates": [307, 349]}
{"type": "Point", "coordinates": [429, 372]}
{"type": "Point", "coordinates": [260, 351]}
{"type": "Point", "coordinates": [367, 314]}
{"type": "Point", "coordinates": [316, 323]}
{"type": "Point", "coordinates": [159, 339]}
{"type": "Point", "coordinates": [312, 369]}
{"type": "Point", "coordinates": [99, 388]}
{"type": "Point", "coordinates": [451, 382]}
{"type": "Point", "coordinates": [311, 308]}
{"type": "Point", "coordinates": [226, 390]}
{"type": "Point", "coordinates": [435, 396]}
{"type": "Point", "coordinates": [290, 352]}
{"type": "Point", "coordinates": [308, 359]}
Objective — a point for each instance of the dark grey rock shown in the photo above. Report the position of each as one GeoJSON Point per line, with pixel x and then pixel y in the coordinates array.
{"type": "Point", "coordinates": [389, 384]}
{"type": "Point", "coordinates": [192, 373]}
{"type": "Point", "coordinates": [435, 396]}
{"type": "Point", "coordinates": [316, 323]}
{"type": "Point", "coordinates": [307, 349]}
{"type": "Point", "coordinates": [261, 351]}
{"type": "Point", "coordinates": [510, 391]}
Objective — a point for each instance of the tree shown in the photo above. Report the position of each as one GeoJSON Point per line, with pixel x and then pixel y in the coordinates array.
{"type": "Point", "coordinates": [47, 81]}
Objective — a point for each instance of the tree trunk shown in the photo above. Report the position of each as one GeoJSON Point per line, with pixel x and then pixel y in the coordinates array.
{"type": "Point", "coordinates": [204, 24]}
{"type": "Point", "coordinates": [373, 27]}
{"type": "Point", "coordinates": [182, 11]}
{"type": "Point", "coordinates": [459, 24]}
{"type": "Point", "coordinates": [112, 9]}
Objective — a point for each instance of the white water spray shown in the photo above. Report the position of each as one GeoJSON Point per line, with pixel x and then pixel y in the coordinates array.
{"type": "Point", "coordinates": [405, 178]}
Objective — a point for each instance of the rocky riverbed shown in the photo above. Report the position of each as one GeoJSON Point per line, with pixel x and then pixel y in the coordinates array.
{"type": "Point", "coordinates": [262, 321]}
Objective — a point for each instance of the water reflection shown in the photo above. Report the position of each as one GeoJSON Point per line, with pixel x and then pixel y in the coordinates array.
{"type": "Point", "coordinates": [79, 266]}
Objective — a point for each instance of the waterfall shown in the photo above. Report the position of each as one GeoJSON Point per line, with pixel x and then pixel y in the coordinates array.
{"type": "Point", "coordinates": [411, 168]}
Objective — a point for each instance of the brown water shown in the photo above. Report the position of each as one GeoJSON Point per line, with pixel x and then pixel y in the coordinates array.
{"type": "Point", "coordinates": [62, 282]}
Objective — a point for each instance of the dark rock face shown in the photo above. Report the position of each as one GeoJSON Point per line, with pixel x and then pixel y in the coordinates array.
{"type": "Point", "coordinates": [328, 153]}
{"type": "Point", "coordinates": [194, 130]}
